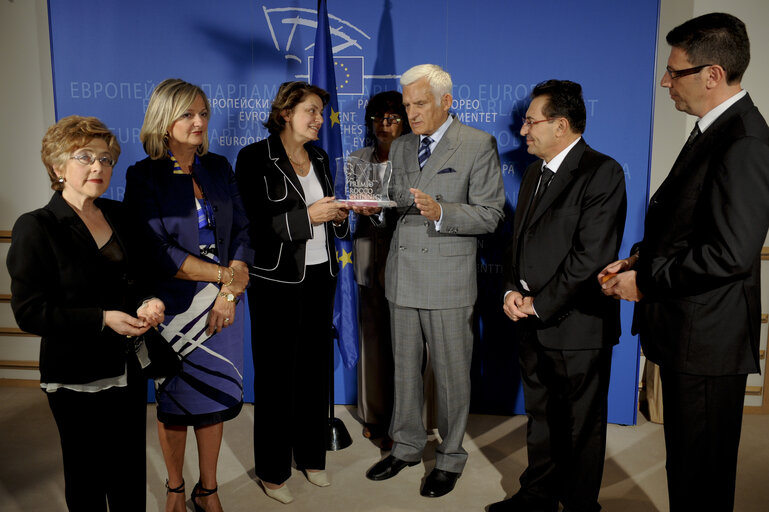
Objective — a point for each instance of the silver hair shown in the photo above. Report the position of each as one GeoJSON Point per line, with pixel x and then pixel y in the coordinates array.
{"type": "Point", "coordinates": [439, 80]}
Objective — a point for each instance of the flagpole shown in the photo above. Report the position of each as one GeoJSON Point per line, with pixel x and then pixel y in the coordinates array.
{"type": "Point", "coordinates": [338, 437]}
{"type": "Point", "coordinates": [345, 305]}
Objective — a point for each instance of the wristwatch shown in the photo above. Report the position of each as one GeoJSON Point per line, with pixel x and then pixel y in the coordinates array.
{"type": "Point", "coordinates": [231, 297]}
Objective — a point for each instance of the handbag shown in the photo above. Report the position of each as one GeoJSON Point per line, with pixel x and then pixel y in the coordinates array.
{"type": "Point", "coordinates": [157, 357]}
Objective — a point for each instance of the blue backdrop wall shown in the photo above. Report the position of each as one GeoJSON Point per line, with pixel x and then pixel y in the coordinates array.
{"type": "Point", "coordinates": [108, 56]}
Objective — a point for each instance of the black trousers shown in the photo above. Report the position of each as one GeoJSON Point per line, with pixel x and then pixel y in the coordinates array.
{"type": "Point", "coordinates": [703, 422]}
{"type": "Point", "coordinates": [103, 444]}
{"type": "Point", "coordinates": [566, 402]}
{"type": "Point", "coordinates": [291, 340]}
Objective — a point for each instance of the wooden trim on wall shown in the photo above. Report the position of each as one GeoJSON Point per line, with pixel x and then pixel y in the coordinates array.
{"type": "Point", "coordinates": [764, 407]}
{"type": "Point", "coordinates": [765, 253]}
{"type": "Point", "coordinates": [20, 383]}
{"type": "Point", "coordinates": [19, 365]}
{"type": "Point", "coordinates": [5, 236]}
{"type": "Point", "coordinates": [14, 331]}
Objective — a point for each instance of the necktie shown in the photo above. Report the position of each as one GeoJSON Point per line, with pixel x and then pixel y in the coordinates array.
{"type": "Point", "coordinates": [693, 135]}
{"type": "Point", "coordinates": [424, 151]}
{"type": "Point", "coordinates": [544, 180]}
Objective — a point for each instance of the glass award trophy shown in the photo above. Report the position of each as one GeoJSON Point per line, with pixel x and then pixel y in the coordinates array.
{"type": "Point", "coordinates": [362, 183]}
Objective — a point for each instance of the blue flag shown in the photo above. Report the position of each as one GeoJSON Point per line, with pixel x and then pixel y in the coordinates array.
{"type": "Point", "coordinates": [346, 300]}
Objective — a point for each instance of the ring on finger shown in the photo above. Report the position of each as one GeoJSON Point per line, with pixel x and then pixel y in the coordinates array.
{"type": "Point", "coordinates": [226, 320]}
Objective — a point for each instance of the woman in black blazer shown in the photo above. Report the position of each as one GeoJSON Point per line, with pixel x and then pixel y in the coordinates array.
{"type": "Point", "coordinates": [75, 268]}
{"type": "Point", "coordinates": [188, 198]}
{"type": "Point", "coordinates": [286, 188]}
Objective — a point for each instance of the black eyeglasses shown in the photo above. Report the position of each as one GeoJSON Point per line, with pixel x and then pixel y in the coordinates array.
{"type": "Point", "coordinates": [684, 72]}
{"type": "Point", "coordinates": [386, 119]}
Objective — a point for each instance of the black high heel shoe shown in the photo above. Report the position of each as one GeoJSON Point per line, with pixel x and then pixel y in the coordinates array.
{"type": "Point", "coordinates": [177, 490]}
{"type": "Point", "coordinates": [201, 492]}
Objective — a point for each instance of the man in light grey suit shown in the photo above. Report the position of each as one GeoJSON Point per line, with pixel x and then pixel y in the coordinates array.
{"type": "Point", "coordinates": [447, 182]}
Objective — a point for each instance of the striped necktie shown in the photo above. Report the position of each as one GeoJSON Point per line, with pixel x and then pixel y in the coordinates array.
{"type": "Point", "coordinates": [424, 151]}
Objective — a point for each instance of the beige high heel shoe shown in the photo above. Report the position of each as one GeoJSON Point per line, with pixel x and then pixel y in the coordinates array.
{"type": "Point", "coordinates": [319, 478]}
{"type": "Point", "coordinates": [281, 494]}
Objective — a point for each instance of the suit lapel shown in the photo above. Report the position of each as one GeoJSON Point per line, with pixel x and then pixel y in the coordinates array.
{"type": "Point", "coordinates": [280, 161]}
{"type": "Point", "coordinates": [559, 182]}
{"type": "Point", "coordinates": [705, 140]}
{"type": "Point", "coordinates": [67, 217]}
{"type": "Point", "coordinates": [445, 148]}
{"type": "Point", "coordinates": [525, 195]}
{"type": "Point", "coordinates": [320, 170]}
{"type": "Point", "coordinates": [410, 150]}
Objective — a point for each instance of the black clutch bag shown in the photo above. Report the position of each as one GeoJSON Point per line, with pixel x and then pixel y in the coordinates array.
{"type": "Point", "coordinates": [157, 357]}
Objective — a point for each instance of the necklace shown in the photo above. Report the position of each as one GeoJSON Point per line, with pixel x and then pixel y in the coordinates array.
{"type": "Point", "coordinates": [300, 164]}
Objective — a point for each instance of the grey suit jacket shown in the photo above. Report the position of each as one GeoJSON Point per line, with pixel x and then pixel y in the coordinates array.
{"type": "Point", "coordinates": [427, 269]}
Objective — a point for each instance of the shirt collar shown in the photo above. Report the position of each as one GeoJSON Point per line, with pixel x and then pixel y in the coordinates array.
{"type": "Point", "coordinates": [558, 159]}
{"type": "Point", "coordinates": [714, 114]}
{"type": "Point", "coordinates": [438, 134]}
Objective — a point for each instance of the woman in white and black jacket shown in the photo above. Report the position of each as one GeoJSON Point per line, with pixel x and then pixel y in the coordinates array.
{"type": "Point", "coordinates": [286, 188]}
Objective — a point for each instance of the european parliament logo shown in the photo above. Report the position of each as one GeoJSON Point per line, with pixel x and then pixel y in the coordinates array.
{"type": "Point", "coordinates": [284, 24]}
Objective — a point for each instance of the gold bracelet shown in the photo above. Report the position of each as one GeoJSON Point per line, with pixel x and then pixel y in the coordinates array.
{"type": "Point", "coordinates": [232, 276]}
{"type": "Point", "coordinates": [219, 275]}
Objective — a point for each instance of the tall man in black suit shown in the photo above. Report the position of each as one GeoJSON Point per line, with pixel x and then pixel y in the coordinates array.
{"type": "Point", "coordinates": [568, 226]}
{"type": "Point", "coordinates": [695, 275]}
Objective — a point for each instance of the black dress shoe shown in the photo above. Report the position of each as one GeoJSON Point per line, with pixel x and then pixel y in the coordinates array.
{"type": "Point", "coordinates": [439, 483]}
{"type": "Point", "coordinates": [388, 468]}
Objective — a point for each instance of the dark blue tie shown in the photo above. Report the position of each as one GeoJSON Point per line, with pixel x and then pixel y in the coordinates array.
{"type": "Point", "coordinates": [424, 151]}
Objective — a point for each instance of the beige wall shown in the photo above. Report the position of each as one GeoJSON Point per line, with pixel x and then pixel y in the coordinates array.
{"type": "Point", "coordinates": [26, 103]}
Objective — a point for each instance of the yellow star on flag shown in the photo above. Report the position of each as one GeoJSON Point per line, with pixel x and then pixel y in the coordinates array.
{"type": "Point", "coordinates": [334, 117]}
{"type": "Point", "coordinates": [345, 259]}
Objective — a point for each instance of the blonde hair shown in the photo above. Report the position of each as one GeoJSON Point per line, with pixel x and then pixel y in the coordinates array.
{"type": "Point", "coordinates": [437, 77]}
{"type": "Point", "coordinates": [170, 99]}
{"type": "Point", "coordinates": [67, 136]}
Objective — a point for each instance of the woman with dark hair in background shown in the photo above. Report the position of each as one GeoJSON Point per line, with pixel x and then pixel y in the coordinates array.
{"type": "Point", "coordinates": [77, 266]}
{"type": "Point", "coordinates": [386, 120]}
{"type": "Point", "coordinates": [189, 198]}
{"type": "Point", "coordinates": [287, 191]}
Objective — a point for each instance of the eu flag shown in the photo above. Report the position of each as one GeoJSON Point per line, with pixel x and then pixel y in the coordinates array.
{"type": "Point", "coordinates": [346, 300]}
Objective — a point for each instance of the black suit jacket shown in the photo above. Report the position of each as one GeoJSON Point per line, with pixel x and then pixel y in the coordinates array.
{"type": "Point", "coordinates": [61, 284]}
{"type": "Point", "coordinates": [699, 261]}
{"type": "Point", "coordinates": [279, 219]}
{"type": "Point", "coordinates": [574, 232]}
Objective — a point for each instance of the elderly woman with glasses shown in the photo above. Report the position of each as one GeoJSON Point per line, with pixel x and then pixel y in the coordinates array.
{"type": "Point", "coordinates": [386, 120]}
{"type": "Point", "coordinates": [77, 271]}
{"type": "Point", "coordinates": [189, 198]}
{"type": "Point", "coordinates": [286, 187]}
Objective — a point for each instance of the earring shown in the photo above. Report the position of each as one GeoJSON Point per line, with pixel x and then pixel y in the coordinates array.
{"type": "Point", "coordinates": [61, 179]}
